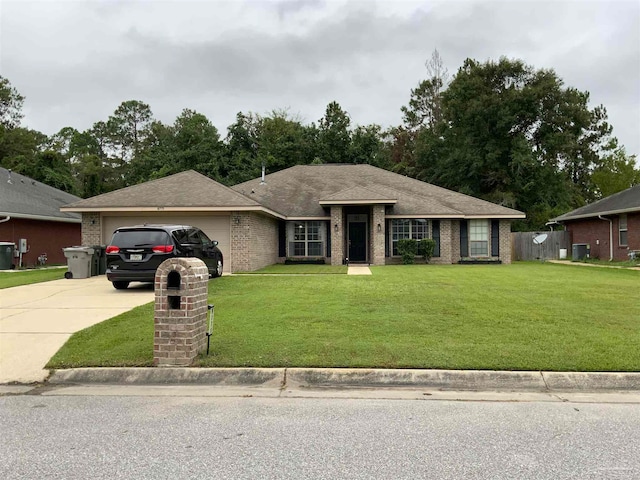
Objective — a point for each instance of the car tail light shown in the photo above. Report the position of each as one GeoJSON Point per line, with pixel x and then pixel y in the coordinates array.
{"type": "Point", "coordinates": [162, 249]}
{"type": "Point", "coordinates": [112, 249]}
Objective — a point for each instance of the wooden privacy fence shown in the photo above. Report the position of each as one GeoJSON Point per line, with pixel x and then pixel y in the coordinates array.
{"type": "Point", "coordinates": [523, 248]}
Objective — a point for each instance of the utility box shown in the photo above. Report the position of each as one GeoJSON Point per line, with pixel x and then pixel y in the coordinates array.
{"type": "Point", "coordinates": [180, 319]}
{"type": "Point", "coordinates": [78, 261]}
{"type": "Point", "coordinates": [6, 255]}
{"type": "Point", "coordinates": [580, 251]}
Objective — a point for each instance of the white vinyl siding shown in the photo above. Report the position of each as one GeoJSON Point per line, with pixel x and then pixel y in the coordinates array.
{"type": "Point", "coordinates": [306, 239]}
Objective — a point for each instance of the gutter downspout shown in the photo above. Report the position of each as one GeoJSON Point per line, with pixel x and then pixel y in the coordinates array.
{"type": "Point", "coordinates": [610, 235]}
{"type": "Point", "coordinates": [6, 219]}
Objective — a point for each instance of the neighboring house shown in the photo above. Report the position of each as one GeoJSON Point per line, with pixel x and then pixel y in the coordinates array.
{"type": "Point", "coordinates": [329, 212]}
{"type": "Point", "coordinates": [31, 210]}
{"type": "Point", "coordinates": [611, 226]}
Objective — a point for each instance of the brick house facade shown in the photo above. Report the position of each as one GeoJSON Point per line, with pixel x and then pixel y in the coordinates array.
{"type": "Point", "coordinates": [333, 213]}
{"type": "Point", "coordinates": [610, 226]}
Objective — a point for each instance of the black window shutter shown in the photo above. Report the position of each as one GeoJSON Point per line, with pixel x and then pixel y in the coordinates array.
{"type": "Point", "coordinates": [464, 238]}
{"type": "Point", "coordinates": [495, 238]}
{"type": "Point", "coordinates": [387, 247]}
{"type": "Point", "coordinates": [282, 238]}
{"type": "Point", "coordinates": [328, 227]}
{"type": "Point", "coordinates": [435, 233]}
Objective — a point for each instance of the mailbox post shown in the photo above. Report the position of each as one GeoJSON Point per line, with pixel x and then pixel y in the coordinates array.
{"type": "Point", "coordinates": [180, 311]}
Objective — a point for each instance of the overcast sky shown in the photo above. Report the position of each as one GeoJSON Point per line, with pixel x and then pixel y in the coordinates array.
{"type": "Point", "coordinates": [76, 61]}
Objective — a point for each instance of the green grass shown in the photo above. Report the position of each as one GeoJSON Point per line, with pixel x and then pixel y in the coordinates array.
{"type": "Point", "coordinates": [597, 261]}
{"type": "Point", "coordinates": [27, 277]}
{"type": "Point", "coordinates": [527, 316]}
{"type": "Point", "coordinates": [301, 269]}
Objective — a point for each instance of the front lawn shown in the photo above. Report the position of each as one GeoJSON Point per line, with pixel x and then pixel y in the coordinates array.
{"type": "Point", "coordinates": [27, 277]}
{"type": "Point", "coordinates": [300, 269]}
{"type": "Point", "coordinates": [526, 316]}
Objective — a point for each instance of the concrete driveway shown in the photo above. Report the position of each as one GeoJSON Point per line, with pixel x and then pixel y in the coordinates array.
{"type": "Point", "coordinates": [36, 320]}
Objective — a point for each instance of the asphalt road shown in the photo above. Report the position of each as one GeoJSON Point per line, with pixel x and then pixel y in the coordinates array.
{"type": "Point", "coordinates": [79, 437]}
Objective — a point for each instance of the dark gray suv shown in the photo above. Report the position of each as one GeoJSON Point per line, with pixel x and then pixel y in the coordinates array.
{"type": "Point", "coordinates": [135, 253]}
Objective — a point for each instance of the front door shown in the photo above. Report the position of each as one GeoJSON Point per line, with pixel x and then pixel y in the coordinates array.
{"type": "Point", "coordinates": [357, 241]}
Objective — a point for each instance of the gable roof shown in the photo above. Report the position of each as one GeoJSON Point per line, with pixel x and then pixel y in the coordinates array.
{"type": "Point", "coordinates": [186, 190]}
{"type": "Point", "coordinates": [301, 191]}
{"type": "Point", "coordinates": [622, 202]}
{"type": "Point", "coordinates": [23, 197]}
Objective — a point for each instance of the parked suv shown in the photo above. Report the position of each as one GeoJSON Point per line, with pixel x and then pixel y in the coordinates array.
{"type": "Point", "coordinates": [135, 253]}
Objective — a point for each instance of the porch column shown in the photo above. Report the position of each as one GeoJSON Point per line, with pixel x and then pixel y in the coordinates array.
{"type": "Point", "coordinates": [377, 245]}
{"type": "Point", "coordinates": [337, 236]}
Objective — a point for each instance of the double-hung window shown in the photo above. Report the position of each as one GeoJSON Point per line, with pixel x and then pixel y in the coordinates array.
{"type": "Point", "coordinates": [306, 238]}
{"type": "Point", "coordinates": [478, 238]}
{"type": "Point", "coordinates": [622, 230]}
{"type": "Point", "coordinates": [416, 228]}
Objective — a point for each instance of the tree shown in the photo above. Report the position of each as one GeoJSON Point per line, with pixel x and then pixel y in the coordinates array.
{"type": "Point", "coordinates": [128, 128]}
{"type": "Point", "coordinates": [425, 103]}
{"type": "Point", "coordinates": [616, 173]}
{"type": "Point", "coordinates": [334, 137]}
{"type": "Point", "coordinates": [516, 136]}
{"type": "Point", "coordinates": [10, 104]}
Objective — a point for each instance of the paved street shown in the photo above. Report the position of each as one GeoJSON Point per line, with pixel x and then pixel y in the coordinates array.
{"type": "Point", "coordinates": [173, 432]}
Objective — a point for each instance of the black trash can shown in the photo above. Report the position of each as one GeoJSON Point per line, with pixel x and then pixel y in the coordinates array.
{"type": "Point", "coordinates": [98, 260]}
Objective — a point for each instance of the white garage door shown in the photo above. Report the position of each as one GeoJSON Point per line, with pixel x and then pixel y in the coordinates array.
{"type": "Point", "coordinates": [217, 227]}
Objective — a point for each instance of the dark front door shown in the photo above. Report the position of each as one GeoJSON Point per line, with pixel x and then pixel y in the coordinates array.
{"type": "Point", "coordinates": [357, 242]}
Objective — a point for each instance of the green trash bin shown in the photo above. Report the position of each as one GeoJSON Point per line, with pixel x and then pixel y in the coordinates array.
{"type": "Point", "coordinates": [6, 255]}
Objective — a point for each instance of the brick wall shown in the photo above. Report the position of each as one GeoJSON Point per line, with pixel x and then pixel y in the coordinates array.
{"type": "Point", "coordinates": [42, 237]}
{"type": "Point", "coordinates": [337, 254]}
{"type": "Point", "coordinates": [455, 241]}
{"type": "Point", "coordinates": [376, 240]}
{"type": "Point", "coordinates": [446, 247]}
{"type": "Point", "coordinates": [180, 326]}
{"type": "Point", "coordinates": [254, 241]}
{"type": "Point", "coordinates": [91, 230]}
{"type": "Point", "coordinates": [505, 241]}
{"type": "Point", "coordinates": [595, 232]}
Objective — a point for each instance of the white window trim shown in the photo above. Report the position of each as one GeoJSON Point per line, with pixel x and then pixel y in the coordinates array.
{"type": "Point", "coordinates": [390, 233]}
{"type": "Point", "coordinates": [488, 238]}
{"type": "Point", "coordinates": [321, 233]}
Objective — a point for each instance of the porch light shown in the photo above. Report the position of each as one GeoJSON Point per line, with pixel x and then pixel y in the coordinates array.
{"type": "Point", "coordinates": [335, 227]}
{"type": "Point", "coordinates": [379, 228]}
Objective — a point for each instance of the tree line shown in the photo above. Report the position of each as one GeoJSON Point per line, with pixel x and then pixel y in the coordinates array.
{"type": "Point", "coordinates": [499, 130]}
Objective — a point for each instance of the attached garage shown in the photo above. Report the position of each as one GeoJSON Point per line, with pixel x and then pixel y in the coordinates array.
{"type": "Point", "coordinates": [216, 226]}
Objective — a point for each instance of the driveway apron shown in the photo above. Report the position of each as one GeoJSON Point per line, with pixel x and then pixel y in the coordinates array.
{"type": "Point", "coordinates": [36, 320]}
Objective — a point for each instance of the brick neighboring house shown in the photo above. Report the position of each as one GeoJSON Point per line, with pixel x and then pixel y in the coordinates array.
{"type": "Point", "coordinates": [329, 212]}
{"type": "Point", "coordinates": [31, 210]}
{"type": "Point", "coordinates": [611, 226]}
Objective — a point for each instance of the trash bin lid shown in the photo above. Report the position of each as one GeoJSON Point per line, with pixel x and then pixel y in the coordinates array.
{"type": "Point", "coordinates": [87, 250]}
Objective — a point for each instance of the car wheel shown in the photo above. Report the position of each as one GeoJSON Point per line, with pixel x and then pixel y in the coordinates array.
{"type": "Point", "coordinates": [218, 272]}
{"type": "Point", "coordinates": [120, 285]}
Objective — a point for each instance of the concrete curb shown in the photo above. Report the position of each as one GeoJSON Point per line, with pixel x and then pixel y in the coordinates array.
{"type": "Point", "coordinates": [170, 376]}
{"type": "Point", "coordinates": [460, 380]}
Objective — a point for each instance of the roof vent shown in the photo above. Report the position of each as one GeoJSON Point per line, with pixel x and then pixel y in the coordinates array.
{"type": "Point", "coordinates": [262, 181]}
{"type": "Point", "coordinates": [9, 179]}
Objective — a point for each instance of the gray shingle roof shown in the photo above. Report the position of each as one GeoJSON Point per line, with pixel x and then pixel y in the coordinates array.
{"type": "Point", "coordinates": [626, 201]}
{"type": "Point", "coordinates": [27, 198]}
{"type": "Point", "coordinates": [296, 192]}
{"type": "Point", "coordinates": [187, 189]}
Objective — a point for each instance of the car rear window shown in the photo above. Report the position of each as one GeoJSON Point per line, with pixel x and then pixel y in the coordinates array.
{"type": "Point", "coordinates": [140, 238]}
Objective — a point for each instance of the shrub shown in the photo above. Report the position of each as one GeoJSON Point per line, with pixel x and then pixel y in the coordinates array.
{"type": "Point", "coordinates": [407, 247]}
{"type": "Point", "coordinates": [427, 247]}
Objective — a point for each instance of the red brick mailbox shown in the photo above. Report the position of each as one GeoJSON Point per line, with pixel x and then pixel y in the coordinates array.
{"type": "Point", "coordinates": [180, 311]}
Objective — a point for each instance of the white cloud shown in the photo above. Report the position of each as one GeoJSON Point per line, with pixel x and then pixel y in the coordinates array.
{"type": "Point", "coordinates": [76, 61]}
